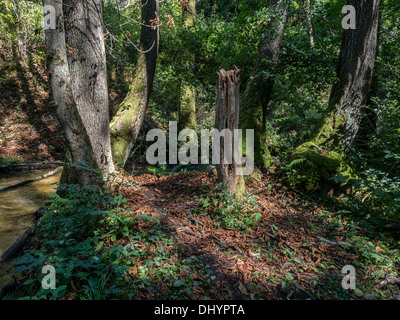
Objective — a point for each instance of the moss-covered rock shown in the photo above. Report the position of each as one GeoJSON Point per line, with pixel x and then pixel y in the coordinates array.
{"type": "Point", "coordinates": [325, 163]}
{"type": "Point", "coordinates": [323, 157]}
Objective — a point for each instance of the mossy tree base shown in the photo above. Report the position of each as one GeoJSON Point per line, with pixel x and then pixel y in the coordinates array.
{"type": "Point", "coordinates": [315, 163]}
{"type": "Point", "coordinates": [323, 157]}
{"type": "Point", "coordinates": [326, 153]}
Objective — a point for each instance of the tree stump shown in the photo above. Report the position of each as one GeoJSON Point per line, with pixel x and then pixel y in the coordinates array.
{"type": "Point", "coordinates": [226, 121]}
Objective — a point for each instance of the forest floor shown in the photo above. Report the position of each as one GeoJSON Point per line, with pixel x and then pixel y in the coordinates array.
{"type": "Point", "coordinates": [29, 129]}
{"type": "Point", "coordinates": [277, 245]}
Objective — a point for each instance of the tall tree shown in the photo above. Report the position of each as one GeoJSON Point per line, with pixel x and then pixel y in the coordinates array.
{"type": "Point", "coordinates": [310, 29]}
{"type": "Point", "coordinates": [333, 135]}
{"type": "Point", "coordinates": [87, 66]}
{"type": "Point", "coordinates": [79, 147]}
{"type": "Point", "coordinates": [187, 101]}
{"type": "Point", "coordinates": [126, 124]}
{"type": "Point", "coordinates": [259, 89]}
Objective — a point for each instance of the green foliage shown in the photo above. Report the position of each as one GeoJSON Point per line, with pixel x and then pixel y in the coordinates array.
{"type": "Point", "coordinates": [8, 162]}
{"type": "Point", "coordinates": [92, 239]}
{"type": "Point", "coordinates": [376, 195]}
{"type": "Point", "coordinates": [68, 242]}
{"type": "Point", "coordinates": [163, 170]}
{"type": "Point", "coordinates": [229, 211]}
{"type": "Point", "coordinates": [21, 25]}
{"type": "Point", "coordinates": [80, 236]}
{"type": "Point", "coordinates": [302, 172]}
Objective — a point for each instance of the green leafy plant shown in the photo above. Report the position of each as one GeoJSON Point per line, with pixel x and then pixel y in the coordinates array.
{"type": "Point", "coordinates": [228, 211]}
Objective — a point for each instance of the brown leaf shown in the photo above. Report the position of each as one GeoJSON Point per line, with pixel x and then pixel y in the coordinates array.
{"type": "Point", "coordinates": [243, 288]}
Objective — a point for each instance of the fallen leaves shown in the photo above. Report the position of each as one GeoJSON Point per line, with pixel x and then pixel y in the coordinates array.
{"type": "Point", "coordinates": [241, 265]}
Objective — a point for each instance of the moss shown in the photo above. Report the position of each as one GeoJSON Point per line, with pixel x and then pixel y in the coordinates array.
{"type": "Point", "coordinates": [53, 56]}
{"type": "Point", "coordinates": [188, 16]}
{"type": "Point", "coordinates": [327, 164]}
{"type": "Point", "coordinates": [187, 112]}
{"type": "Point", "coordinates": [121, 132]}
{"type": "Point", "coordinates": [240, 188]}
{"type": "Point", "coordinates": [328, 132]}
{"type": "Point", "coordinates": [122, 125]}
{"type": "Point", "coordinates": [324, 154]}
{"type": "Point", "coordinates": [251, 118]}
{"type": "Point", "coordinates": [187, 108]}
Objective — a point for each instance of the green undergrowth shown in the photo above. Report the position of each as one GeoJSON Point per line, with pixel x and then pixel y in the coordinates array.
{"type": "Point", "coordinates": [7, 162]}
{"type": "Point", "coordinates": [375, 255]}
{"type": "Point", "coordinates": [67, 240]}
{"type": "Point", "coordinates": [312, 166]}
{"type": "Point", "coordinates": [100, 251]}
{"type": "Point", "coordinates": [228, 211]}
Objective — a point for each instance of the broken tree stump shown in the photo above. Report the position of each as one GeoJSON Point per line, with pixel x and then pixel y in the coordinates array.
{"type": "Point", "coordinates": [226, 121]}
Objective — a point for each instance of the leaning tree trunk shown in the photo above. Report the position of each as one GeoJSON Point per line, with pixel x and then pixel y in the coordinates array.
{"type": "Point", "coordinates": [126, 124]}
{"type": "Point", "coordinates": [87, 65]}
{"type": "Point", "coordinates": [227, 117]}
{"type": "Point", "coordinates": [79, 147]}
{"type": "Point", "coordinates": [335, 132]}
{"type": "Point", "coordinates": [259, 89]}
{"type": "Point", "coordinates": [187, 101]}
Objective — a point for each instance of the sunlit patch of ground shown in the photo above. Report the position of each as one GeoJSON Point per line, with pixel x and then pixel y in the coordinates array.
{"type": "Point", "coordinates": [280, 256]}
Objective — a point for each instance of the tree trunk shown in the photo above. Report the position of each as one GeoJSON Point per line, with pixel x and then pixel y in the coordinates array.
{"type": "Point", "coordinates": [335, 132]}
{"type": "Point", "coordinates": [187, 101]}
{"type": "Point", "coordinates": [369, 119]}
{"type": "Point", "coordinates": [260, 87]}
{"type": "Point", "coordinates": [87, 65]}
{"type": "Point", "coordinates": [310, 28]}
{"type": "Point", "coordinates": [79, 147]}
{"type": "Point", "coordinates": [227, 117]}
{"type": "Point", "coordinates": [126, 124]}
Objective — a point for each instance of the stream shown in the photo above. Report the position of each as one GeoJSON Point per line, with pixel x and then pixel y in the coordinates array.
{"type": "Point", "coordinates": [18, 205]}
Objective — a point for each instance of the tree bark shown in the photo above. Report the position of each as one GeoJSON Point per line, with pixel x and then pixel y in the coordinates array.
{"type": "Point", "coordinates": [126, 124]}
{"type": "Point", "coordinates": [333, 135]}
{"type": "Point", "coordinates": [87, 66]}
{"type": "Point", "coordinates": [354, 70]}
{"type": "Point", "coordinates": [310, 28]}
{"type": "Point", "coordinates": [187, 101]}
{"type": "Point", "coordinates": [227, 117]}
{"type": "Point", "coordinates": [260, 87]}
{"type": "Point", "coordinates": [79, 147]}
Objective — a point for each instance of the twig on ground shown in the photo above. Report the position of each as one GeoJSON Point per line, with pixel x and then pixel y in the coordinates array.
{"type": "Point", "coordinates": [387, 281]}
{"type": "Point", "coordinates": [280, 240]}
{"type": "Point", "coordinates": [340, 243]}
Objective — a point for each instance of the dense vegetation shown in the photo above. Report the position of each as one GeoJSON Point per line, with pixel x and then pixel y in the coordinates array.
{"type": "Point", "coordinates": [136, 237]}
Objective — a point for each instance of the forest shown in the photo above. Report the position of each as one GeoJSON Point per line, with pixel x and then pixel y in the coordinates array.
{"type": "Point", "coordinates": [199, 150]}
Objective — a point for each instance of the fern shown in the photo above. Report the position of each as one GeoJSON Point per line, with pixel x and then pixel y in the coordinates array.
{"type": "Point", "coordinates": [14, 295]}
{"type": "Point", "coordinates": [303, 171]}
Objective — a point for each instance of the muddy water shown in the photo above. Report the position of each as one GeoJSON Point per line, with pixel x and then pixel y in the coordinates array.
{"type": "Point", "coordinates": [17, 206]}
